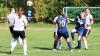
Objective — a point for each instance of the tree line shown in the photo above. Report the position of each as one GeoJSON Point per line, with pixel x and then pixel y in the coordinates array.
{"type": "Point", "coordinates": [46, 10]}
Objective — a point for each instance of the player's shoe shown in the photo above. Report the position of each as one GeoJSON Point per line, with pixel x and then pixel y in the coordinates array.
{"type": "Point", "coordinates": [86, 48]}
{"type": "Point", "coordinates": [76, 47]}
{"type": "Point", "coordinates": [71, 50]}
{"type": "Point", "coordinates": [25, 54]}
{"type": "Point", "coordinates": [54, 49]}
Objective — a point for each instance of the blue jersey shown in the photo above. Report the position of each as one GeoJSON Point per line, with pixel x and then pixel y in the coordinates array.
{"type": "Point", "coordinates": [80, 26]}
{"type": "Point", "coordinates": [62, 24]}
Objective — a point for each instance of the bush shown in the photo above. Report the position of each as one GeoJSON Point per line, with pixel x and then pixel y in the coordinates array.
{"type": "Point", "coordinates": [3, 14]}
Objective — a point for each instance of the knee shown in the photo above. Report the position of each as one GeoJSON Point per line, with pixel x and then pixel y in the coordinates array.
{"type": "Point", "coordinates": [84, 38]}
{"type": "Point", "coordinates": [68, 40]}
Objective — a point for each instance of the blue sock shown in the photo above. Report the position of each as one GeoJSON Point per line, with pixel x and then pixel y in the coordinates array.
{"type": "Point", "coordinates": [72, 35]}
{"type": "Point", "coordinates": [69, 45]}
{"type": "Point", "coordinates": [79, 44]}
{"type": "Point", "coordinates": [55, 44]}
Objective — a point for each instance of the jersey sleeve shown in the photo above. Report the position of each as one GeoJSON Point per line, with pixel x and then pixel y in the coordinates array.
{"type": "Point", "coordinates": [55, 20]}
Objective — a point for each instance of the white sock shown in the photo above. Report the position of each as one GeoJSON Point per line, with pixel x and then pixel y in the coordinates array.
{"type": "Point", "coordinates": [85, 43]}
{"type": "Point", "coordinates": [25, 47]}
{"type": "Point", "coordinates": [13, 44]}
{"type": "Point", "coordinates": [60, 43]}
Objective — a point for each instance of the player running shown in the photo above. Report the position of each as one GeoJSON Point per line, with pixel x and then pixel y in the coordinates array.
{"type": "Point", "coordinates": [10, 19]}
{"type": "Point", "coordinates": [89, 22]}
{"type": "Point", "coordinates": [62, 30]}
{"type": "Point", "coordinates": [20, 24]}
{"type": "Point", "coordinates": [80, 21]}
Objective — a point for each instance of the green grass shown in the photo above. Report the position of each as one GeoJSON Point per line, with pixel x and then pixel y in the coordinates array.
{"type": "Point", "coordinates": [40, 42]}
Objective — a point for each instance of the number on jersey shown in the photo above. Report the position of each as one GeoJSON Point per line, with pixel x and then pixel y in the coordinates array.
{"type": "Point", "coordinates": [62, 23]}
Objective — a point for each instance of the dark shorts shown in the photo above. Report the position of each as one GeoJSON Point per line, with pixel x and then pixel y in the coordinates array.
{"type": "Point", "coordinates": [20, 34]}
{"type": "Point", "coordinates": [11, 30]}
{"type": "Point", "coordinates": [65, 35]}
{"type": "Point", "coordinates": [80, 32]}
{"type": "Point", "coordinates": [86, 32]}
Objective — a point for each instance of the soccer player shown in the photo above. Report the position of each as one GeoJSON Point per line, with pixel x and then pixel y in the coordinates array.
{"type": "Point", "coordinates": [89, 22]}
{"type": "Point", "coordinates": [80, 21]}
{"type": "Point", "coordinates": [62, 30]}
{"type": "Point", "coordinates": [59, 45]}
{"type": "Point", "coordinates": [20, 24]}
{"type": "Point", "coordinates": [10, 19]}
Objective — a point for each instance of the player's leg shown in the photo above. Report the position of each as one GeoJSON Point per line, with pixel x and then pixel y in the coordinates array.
{"type": "Point", "coordinates": [24, 42]}
{"type": "Point", "coordinates": [85, 42]}
{"type": "Point", "coordinates": [72, 34]}
{"type": "Point", "coordinates": [14, 41]}
{"type": "Point", "coordinates": [11, 30]}
{"type": "Point", "coordinates": [12, 34]}
{"type": "Point", "coordinates": [56, 41]}
{"type": "Point", "coordinates": [85, 35]}
{"type": "Point", "coordinates": [79, 43]}
{"type": "Point", "coordinates": [20, 41]}
{"type": "Point", "coordinates": [60, 43]}
{"type": "Point", "coordinates": [66, 37]}
{"type": "Point", "coordinates": [80, 33]}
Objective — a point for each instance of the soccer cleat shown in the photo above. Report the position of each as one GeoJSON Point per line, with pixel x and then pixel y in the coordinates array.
{"type": "Point", "coordinates": [71, 50]}
{"type": "Point", "coordinates": [25, 54]}
{"type": "Point", "coordinates": [86, 48]}
{"type": "Point", "coordinates": [54, 49]}
{"type": "Point", "coordinates": [76, 47]}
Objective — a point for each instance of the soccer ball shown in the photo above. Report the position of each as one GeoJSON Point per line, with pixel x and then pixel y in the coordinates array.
{"type": "Point", "coordinates": [29, 3]}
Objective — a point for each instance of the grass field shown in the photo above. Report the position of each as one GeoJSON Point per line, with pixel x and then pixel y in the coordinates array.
{"type": "Point", "coordinates": [40, 42]}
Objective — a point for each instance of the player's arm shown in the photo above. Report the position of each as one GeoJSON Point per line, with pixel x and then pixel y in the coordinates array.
{"type": "Point", "coordinates": [79, 20]}
{"type": "Point", "coordinates": [55, 25]}
{"type": "Point", "coordinates": [25, 22]}
{"type": "Point", "coordinates": [91, 20]}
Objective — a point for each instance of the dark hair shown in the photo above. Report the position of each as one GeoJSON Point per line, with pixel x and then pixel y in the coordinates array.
{"type": "Point", "coordinates": [21, 8]}
{"type": "Point", "coordinates": [60, 12]}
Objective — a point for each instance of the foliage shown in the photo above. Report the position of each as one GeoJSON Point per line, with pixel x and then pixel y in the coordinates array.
{"type": "Point", "coordinates": [46, 10]}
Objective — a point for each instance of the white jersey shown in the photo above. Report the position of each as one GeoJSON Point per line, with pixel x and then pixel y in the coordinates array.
{"type": "Point", "coordinates": [10, 18]}
{"type": "Point", "coordinates": [88, 18]}
{"type": "Point", "coordinates": [19, 24]}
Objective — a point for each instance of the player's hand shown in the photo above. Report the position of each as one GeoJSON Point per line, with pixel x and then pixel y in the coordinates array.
{"type": "Point", "coordinates": [56, 36]}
